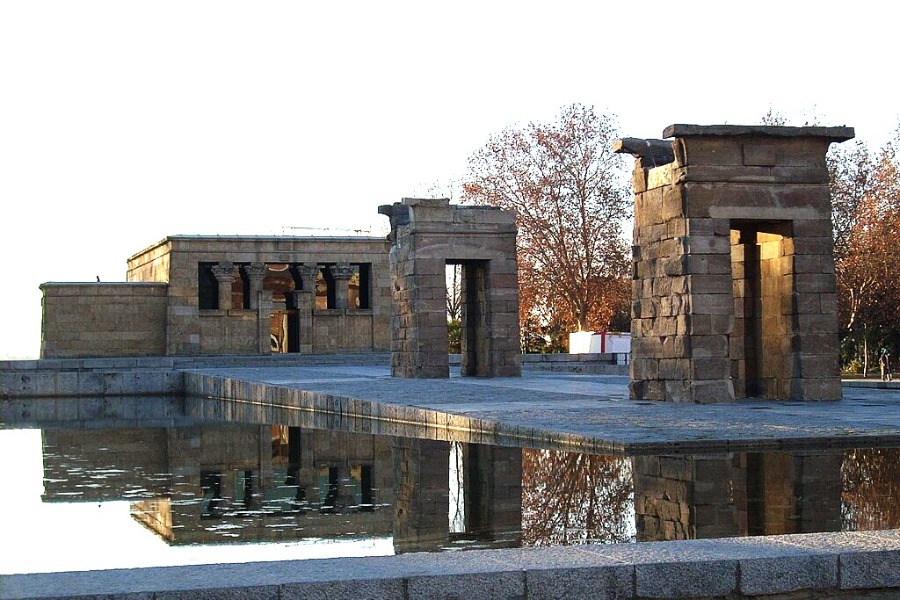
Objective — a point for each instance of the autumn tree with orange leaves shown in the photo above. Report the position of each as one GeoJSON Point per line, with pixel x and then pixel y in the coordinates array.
{"type": "Point", "coordinates": [567, 189]}
{"type": "Point", "coordinates": [866, 216]}
{"type": "Point", "coordinates": [574, 498]}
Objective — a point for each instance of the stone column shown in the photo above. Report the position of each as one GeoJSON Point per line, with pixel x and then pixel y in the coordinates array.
{"type": "Point", "coordinates": [263, 318]}
{"type": "Point", "coordinates": [224, 272]}
{"type": "Point", "coordinates": [304, 300]}
{"type": "Point", "coordinates": [256, 272]}
{"type": "Point", "coordinates": [341, 274]}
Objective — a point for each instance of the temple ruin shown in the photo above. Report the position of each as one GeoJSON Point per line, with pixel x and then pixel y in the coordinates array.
{"type": "Point", "coordinates": [733, 273]}
{"type": "Point", "coordinates": [427, 235]}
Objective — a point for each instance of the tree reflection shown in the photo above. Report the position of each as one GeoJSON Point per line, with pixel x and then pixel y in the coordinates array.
{"type": "Point", "coordinates": [572, 498]}
{"type": "Point", "coordinates": [871, 487]}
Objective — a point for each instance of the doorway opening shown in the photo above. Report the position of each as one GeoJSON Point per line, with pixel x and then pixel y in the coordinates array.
{"type": "Point", "coordinates": [470, 300]}
{"type": "Point", "coordinates": [761, 267]}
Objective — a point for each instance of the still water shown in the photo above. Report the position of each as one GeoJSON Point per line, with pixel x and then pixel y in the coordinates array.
{"type": "Point", "coordinates": [83, 495]}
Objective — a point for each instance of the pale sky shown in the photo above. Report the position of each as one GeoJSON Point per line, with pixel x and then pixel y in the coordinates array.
{"type": "Point", "coordinates": [123, 122]}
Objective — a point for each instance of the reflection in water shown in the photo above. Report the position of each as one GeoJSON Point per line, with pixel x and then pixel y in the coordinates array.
{"type": "Point", "coordinates": [753, 493]}
{"type": "Point", "coordinates": [871, 498]}
{"type": "Point", "coordinates": [212, 482]}
{"type": "Point", "coordinates": [208, 483]}
{"type": "Point", "coordinates": [571, 498]}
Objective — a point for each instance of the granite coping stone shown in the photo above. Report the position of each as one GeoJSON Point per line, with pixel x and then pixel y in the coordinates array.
{"type": "Point", "coordinates": [770, 565]}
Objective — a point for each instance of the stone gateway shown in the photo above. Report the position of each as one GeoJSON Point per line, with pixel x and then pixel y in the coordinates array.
{"type": "Point", "coordinates": [426, 235]}
{"type": "Point", "coordinates": [733, 273]}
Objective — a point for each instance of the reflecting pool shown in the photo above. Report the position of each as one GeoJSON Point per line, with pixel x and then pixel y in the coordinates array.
{"type": "Point", "coordinates": [83, 494]}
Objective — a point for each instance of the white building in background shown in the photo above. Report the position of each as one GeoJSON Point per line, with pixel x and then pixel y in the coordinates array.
{"type": "Point", "coordinates": [599, 342]}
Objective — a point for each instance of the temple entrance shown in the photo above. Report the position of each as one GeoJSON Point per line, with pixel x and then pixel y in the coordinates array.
{"type": "Point", "coordinates": [733, 267]}
{"type": "Point", "coordinates": [427, 234]}
{"type": "Point", "coordinates": [761, 268]}
{"type": "Point", "coordinates": [472, 307]}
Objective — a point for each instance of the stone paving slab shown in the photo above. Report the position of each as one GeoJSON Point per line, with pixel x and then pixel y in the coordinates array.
{"type": "Point", "coordinates": [597, 408]}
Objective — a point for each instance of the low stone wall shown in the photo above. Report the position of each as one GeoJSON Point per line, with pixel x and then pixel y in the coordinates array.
{"type": "Point", "coordinates": [141, 376]}
{"type": "Point", "coordinates": [592, 364]}
{"type": "Point", "coordinates": [163, 375]}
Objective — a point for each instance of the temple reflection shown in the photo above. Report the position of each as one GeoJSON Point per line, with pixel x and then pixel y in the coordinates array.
{"type": "Point", "coordinates": [208, 483]}
{"type": "Point", "coordinates": [199, 483]}
{"type": "Point", "coordinates": [736, 494]}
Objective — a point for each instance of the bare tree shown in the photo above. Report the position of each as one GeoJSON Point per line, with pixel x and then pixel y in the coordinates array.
{"type": "Point", "coordinates": [574, 498]}
{"type": "Point", "coordinates": [568, 191]}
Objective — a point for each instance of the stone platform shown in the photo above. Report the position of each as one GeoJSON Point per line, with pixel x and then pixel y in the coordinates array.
{"type": "Point", "coordinates": [571, 411]}
{"type": "Point", "coordinates": [559, 410]}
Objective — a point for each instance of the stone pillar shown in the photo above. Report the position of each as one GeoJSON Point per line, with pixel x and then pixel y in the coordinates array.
{"type": "Point", "coordinates": [426, 235]}
{"type": "Point", "coordinates": [264, 320]}
{"type": "Point", "coordinates": [341, 274]}
{"type": "Point", "coordinates": [304, 301]}
{"type": "Point", "coordinates": [256, 272]}
{"type": "Point", "coordinates": [732, 275]}
{"type": "Point", "coordinates": [224, 272]}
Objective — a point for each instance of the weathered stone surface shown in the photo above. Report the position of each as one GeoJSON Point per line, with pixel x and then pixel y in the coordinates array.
{"type": "Point", "coordinates": [426, 236]}
{"type": "Point", "coordinates": [732, 266]}
{"type": "Point", "coordinates": [159, 310]}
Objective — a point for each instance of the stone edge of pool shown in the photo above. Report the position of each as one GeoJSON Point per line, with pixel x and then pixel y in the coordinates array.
{"type": "Point", "coordinates": [822, 564]}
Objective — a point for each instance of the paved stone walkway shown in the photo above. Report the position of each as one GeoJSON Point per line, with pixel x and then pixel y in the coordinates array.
{"type": "Point", "coordinates": [597, 407]}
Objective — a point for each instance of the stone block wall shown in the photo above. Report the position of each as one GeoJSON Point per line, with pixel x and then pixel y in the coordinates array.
{"type": "Point", "coordinates": [427, 235]}
{"type": "Point", "coordinates": [238, 330]}
{"type": "Point", "coordinates": [103, 319]}
{"type": "Point", "coordinates": [733, 275]}
{"type": "Point", "coordinates": [343, 330]}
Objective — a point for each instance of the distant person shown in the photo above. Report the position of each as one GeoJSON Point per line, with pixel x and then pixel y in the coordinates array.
{"type": "Point", "coordinates": [885, 363]}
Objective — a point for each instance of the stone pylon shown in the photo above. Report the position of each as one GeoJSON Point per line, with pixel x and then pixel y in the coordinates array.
{"type": "Point", "coordinates": [426, 236]}
{"type": "Point", "coordinates": [733, 273]}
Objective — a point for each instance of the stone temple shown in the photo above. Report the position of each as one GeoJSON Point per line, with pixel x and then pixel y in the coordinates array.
{"type": "Point", "coordinates": [733, 273]}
